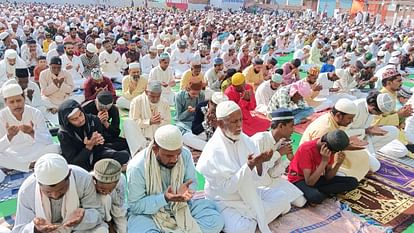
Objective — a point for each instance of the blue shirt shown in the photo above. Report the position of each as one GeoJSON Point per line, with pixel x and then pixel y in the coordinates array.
{"type": "Point", "coordinates": [327, 68]}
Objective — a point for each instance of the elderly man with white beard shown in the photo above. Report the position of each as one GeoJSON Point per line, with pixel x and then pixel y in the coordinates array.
{"type": "Point", "coordinates": [9, 64]}
{"type": "Point", "coordinates": [233, 169]}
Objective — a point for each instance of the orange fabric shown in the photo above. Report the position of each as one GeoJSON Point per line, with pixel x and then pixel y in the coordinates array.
{"type": "Point", "coordinates": [357, 5]}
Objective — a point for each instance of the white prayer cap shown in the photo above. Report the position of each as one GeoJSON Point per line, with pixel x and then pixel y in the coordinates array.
{"type": "Point", "coordinates": [348, 55]}
{"type": "Point", "coordinates": [385, 103]}
{"type": "Point", "coordinates": [168, 137]}
{"type": "Point", "coordinates": [10, 54]}
{"type": "Point", "coordinates": [91, 48]}
{"type": "Point", "coordinates": [11, 90]}
{"type": "Point", "coordinates": [134, 65]}
{"type": "Point", "coordinates": [121, 41]}
{"type": "Point", "coordinates": [160, 46]}
{"type": "Point", "coordinates": [231, 37]}
{"type": "Point", "coordinates": [225, 108]}
{"type": "Point", "coordinates": [307, 47]}
{"type": "Point", "coordinates": [346, 106]}
{"type": "Point", "coordinates": [153, 49]}
{"type": "Point", "coordinates": [394, 61]}
{"type": "Point", "coordinates": [59, 39]}
{"type": "Point", "coordinates": [395, 53]}
{"type": "Point", "coordinates": [216, 44]}
{"type": "Point", "coordinates": [277, 78]}
{"type": "Point", "coordinates": [381, 53]}
{"type": "Point", "coordinates": [218, 97]}
{"type": "Point", "coordinates": [4, 35]}
{"type": "Point", "coordinates": [50, 169]}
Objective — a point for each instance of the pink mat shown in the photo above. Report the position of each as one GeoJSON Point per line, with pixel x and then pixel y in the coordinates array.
{"type": "Point", "coordinates": [326, 217]}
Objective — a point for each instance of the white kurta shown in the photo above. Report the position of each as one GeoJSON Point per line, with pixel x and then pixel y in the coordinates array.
{"type": "Point", "coordinates": [178, 57]}
{"type": "Point", "coordinates": [36, 101]}
{"type": "Point", "coordinates": [112, 65]}
{"type": "Point", "coordinates": [76, 71]}
{"type": "Point", "coordinates": [263, 94]}
{"type": "Point", "coordinates": [147, 63]}
{"type": "Point", "coordinates": [23, 149]}
{"type": "Point", "coordinates": [166, 76]}
{"type": "Point", "coordinates": [231, 183]}
{"type": "Point", "coordinates": [325, 94]}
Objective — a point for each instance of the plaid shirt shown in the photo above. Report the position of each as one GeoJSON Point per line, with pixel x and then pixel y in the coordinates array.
{"type": "Point", "coordinates": [281, 99]}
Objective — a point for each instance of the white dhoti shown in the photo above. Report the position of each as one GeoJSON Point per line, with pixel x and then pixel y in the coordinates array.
{"type": "Point", "coordinates": [274, 201]}
{"type": "Point", "coordinates": [197, 142]}
{"type": "Point", "coordinates": [134, 137]}
{"type": "Point", "coordinates": [123, 102]}
{"type": "Point", "coordinates": [21, 161]}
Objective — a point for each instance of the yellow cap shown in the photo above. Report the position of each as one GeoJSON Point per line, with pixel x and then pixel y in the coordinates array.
{"type": "Point", "coordinates": [237, 79]}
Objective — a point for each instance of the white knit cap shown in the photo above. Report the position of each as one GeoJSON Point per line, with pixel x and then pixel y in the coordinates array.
{"type": "Point", "coordinates": [11, 90]}
{"type": "Point", "coordinates": [134, 65]}
{"type": "Point", "coordinates": [51, 169]}
{"type": "Point", "coordinates": [121, 41]}
{"type": "Point", "coordinates": [59, 39]}
{"type": "Point", "coordinates": [218, 97]}
{"type": "Point", "coordinates": [10, 54]}
{"type": "Point", "coordinates": [394, 61]}
{"type": "Point", "coordinates": [91, 48]}
{"type": "Point", "coordinates": [346, 106]}
{"type": "Point", "coordinates": [225, 108]}
{"type": "Point", "coordinates": [385, 103]}
{"type": "Point", "coordinates": [160, 46]}
{"type": "Point", "coordinates": [277, 78]}
{"type": "Point", "coordinates": [168, 137]}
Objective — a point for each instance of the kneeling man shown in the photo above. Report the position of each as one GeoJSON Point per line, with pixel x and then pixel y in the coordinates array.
{"type": "Point", "coordinates": [161, 180]}
{"type": "Point", "coordinates": [233, 169]}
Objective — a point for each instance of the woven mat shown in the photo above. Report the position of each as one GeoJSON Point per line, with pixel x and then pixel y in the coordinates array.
{"type": "Point", "coordinates": [326, 217]}
{"type": "Point", "coordinates": [300, 128]}
{"type": "Point", "coordinates": [11, 184]}
{"type": "Point", "coordinates": [7, 222]}
{"type": "Point", "coordinates": [380, 202]}
{"type": "Point", "coordinates": [395, 174]}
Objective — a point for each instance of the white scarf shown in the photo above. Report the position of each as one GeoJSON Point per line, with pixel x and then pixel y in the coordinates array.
{"type": "Point", "coordinates": [182, 222]}
{"type": "Point", "coordinates": [69, 205]}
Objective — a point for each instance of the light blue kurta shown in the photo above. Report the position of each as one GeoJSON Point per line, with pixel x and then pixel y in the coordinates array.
{"type": "Point", "coordinates": [142, 206]}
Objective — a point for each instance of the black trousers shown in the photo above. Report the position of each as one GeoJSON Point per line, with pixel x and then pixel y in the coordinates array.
{"type": "Point", "coordinates": [325, 188]}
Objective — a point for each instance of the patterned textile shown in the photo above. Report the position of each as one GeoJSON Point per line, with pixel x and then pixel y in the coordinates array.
{"type": "Point", "coordinates": [300, 128]}
{"type": "Point", "coordinates": [395, 174]}
{"type": "Point", "coordinates": [380, 202]}
{"type": "Point", "coordinates": [11, 184]}
{"type": "Point", "coordinates": [7, 221]}
{"type": "Point", "coordinates": [326, 217]}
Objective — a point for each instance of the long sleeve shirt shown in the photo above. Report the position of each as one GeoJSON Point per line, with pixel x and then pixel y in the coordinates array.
{"type": "Point", "coordinates": [182, 102]}
{"type": "Point", "coordinates": [88, 200]}
{"type": "Point", "coordinates": [281, 99]}
{"type": "Point", "coordinates": [92, 88]}
{"type": "Point", "coordinates": [213, 79]}
{"type": "Point", "coordinates": [139, 201]}
{"type": "Point", "coordinates": [127, 83]}
{"type": "Point", "coordinates": [111, 64]}
{"type": "Point", "coordinates": [89, 64]}
{"type": "Point", "coordinates": [48, 88]}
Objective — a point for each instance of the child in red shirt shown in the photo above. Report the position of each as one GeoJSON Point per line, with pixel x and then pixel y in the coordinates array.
{"type": "Point", "coordinates": [313, 168]}
{"type": "Point", "coordinates": [41, 65]}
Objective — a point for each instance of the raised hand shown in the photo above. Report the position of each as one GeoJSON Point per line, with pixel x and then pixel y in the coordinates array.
{"type": "Point", "coordinates": [339, 157]}
{"type": "Point", "coordinates": [155, 119]}
{"type": "Point", "coordinates": [246, 95]}
{"type": "Point", "coordinates": [184, 193]}
{"type": "Point", "coordinates": [42, 225]}
{"type": "Point", "coordinates": [12, 130]}
{"type": "Point", "coordinates": [27, 129]}
{"type": "Point", "coordinates": [325, 152]}
{"type": "Point", "coordinates": [191, 109]}
{"type": "Point", "coordinates": [75, 218]}
{"type": "Point", "coordinates": [375, 131]}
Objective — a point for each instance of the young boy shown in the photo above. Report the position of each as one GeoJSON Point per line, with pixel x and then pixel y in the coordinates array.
{"type": "Point", "coordinates": [110, 186]}
{"type": "Point", "coordinates": [41, 65]}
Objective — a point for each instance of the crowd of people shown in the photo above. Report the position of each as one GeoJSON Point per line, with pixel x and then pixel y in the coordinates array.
{"type": "Point", "coordinates": [236, 105]}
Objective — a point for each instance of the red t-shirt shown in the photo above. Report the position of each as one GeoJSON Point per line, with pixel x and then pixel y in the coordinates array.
{"type": "Point", "coordinates": [306, 157]}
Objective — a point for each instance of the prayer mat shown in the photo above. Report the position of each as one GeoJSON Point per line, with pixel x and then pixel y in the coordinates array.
{"type": "Point", "coordinates": [11, 184]}
{"type": "Point", "coordinates": [378, 201]}
{"type": "Point", "coordinates": [406, 160]}
{"type": "Point", "coordinates": [300, 128]}
{"type": "Point", "coordinates": [7, 222]}
{"type": "Point", "coordinates": [326, 217]}
{"type": "Point", "coordinates": [394, 174]}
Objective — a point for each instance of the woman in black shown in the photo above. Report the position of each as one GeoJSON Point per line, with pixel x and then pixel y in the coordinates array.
{"type": "Point", "coordinates": [82, 137]}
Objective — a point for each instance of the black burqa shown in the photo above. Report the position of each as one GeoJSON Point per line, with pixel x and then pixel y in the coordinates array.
{"type": "Point", "coordinates": [71, 139]}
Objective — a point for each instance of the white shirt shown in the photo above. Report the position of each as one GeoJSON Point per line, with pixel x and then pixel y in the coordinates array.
{"type": "Point", "coordinates": [76, 70]}
{"type": "Point", "coordinates": [147, 63]}
{"type": "Point", "coordinates": [264, 92]}
{"type": "Point", "coordinates": [111, 64]}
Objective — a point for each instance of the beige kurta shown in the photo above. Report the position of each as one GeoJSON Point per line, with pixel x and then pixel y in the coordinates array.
{"type": "Point", "coordinates": [356, 163]}
{"type": "Point", "coordinates": [53, 95]}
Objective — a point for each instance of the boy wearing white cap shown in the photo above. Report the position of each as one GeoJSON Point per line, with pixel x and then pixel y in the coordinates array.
{"type": "Point", "coordinates": [58, 197]}
{"type": "Point", "coordinates": [149, 61]}
{"type": "Point", "coordinates": [161, 180]}
{"type": "Point", "coordinates": [24, 136]}
{"type": "Point", "coordinates": [110, 186]}
{"type": "Point", "coordinates": [133, 84]}
{"type": "Point", "coordinates": [148, 112]}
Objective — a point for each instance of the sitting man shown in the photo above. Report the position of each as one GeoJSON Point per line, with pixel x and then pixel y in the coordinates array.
{"type": "Point", "coordinates": [148, 112]}
{"type": "Point", "coordinates": [254, 73]}
{"type": "Point", "coordinates": [243, 95]}
{"type": "Point", "coordinates": [315, 166]}
{"type": "Point", "coordinates": [186, 102]}
{"type": "Point", "coordinates": [278, 140]}
{"type": "Point", "coordinates": [291, 97]}
{"type": "Point", "coordinates": [358, 160]}
{"type": "Point", "coordinates": [215, 74]}
{"type": "Point", "coordinates": [161, 180]}
{"type": "Point", "coordinates": [58, 198]}
{"type": "Point", "coordinates": [102, 107]}
{"type": "Point", "coordinates": [110, 186]}
{"type": "Point", "coordinates": [132, 86]}
{"type": "Point", "coordinates": [83, 139]}
{"type": "Point", "coordinates": [383, 139]}
{"type": "Point", "coordinates": [266, 90]}
{"type": "Point", "coordinates": [194, 73]}
{"type": "Point", "coordinates": [165, 74]}
{"type": "Point", "coordinates": [204, 123]}
{"type": "Point", "coordinates": [24, 136]}
{"type": "Point", "coordinates": [233, 169]}
{"type": "Point", "coordinates": [56, 85]}
{"type": "Point", "coordinates": [97, 83]}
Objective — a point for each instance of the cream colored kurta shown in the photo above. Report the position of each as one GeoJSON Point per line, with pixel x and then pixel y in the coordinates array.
{"type": "Point", "coordinates": [53, 95]}
{"type": "Point", "coordinates": [166, 76]}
